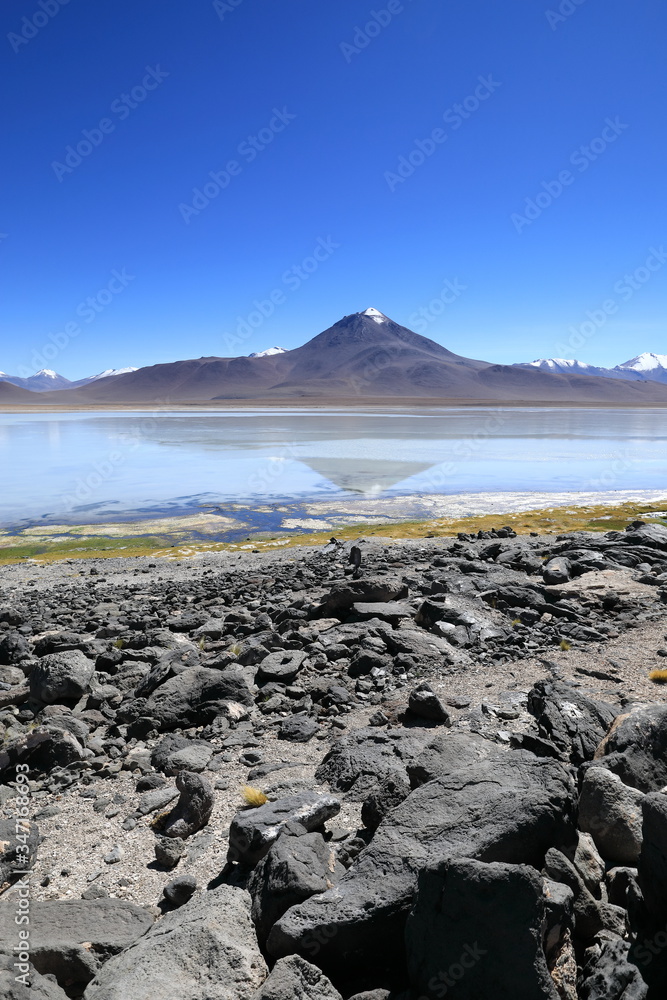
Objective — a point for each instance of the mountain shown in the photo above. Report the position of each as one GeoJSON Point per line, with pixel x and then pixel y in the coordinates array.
{"type": "Point", "coordinates": [573, 367]}
{"type": "Point", "coordinates": [645, 367]}
{"type": "Point", "coordinates": [11, 394]}
{"type": "Point", "coordinates": [107, 373]}
{"type": "Point", "coordinates": [268, 352]}
{"type": "Point", "coordinates": [46, 380]}
{"type": "Point", "coordinates": [363, 356]}
{"type": "Point", "coordinates": [650, 366]}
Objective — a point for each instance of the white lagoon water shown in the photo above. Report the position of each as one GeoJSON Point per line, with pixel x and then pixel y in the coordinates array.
{"type": "Point", "coordinates": [87, 467]}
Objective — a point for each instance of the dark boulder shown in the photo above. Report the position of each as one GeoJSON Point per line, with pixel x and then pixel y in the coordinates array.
{"type": "Point", "coordinates": [253, 831]}
{"type": "Point", "coordinates": [195, 696]}
{"type": "Point", "coordinates": [194, 807]}
{"type": "Point", "coordinates": [574, 723]}
{"type": "Point", "coordinates": [294, 869]}
{"type": "Point", "coordinates": [61, 676]}
{"type": "Point", "coordinates": [468, 919]}
{"type": "Point", "coordinates": [636, 747]}
{"type": "Point", "coordinates": [509, 808]}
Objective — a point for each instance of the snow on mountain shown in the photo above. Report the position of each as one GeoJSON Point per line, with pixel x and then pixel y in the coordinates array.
{"type": "Point", "coordinates": [268, 352]}
{"type": "Point", "coordinates": [109, 372]}
{"type": "Point", "coordinates": [560, 365]}
{"type": "Point", "coordinates": [571, 366]}
{"type": "Point", "coordinates": [374, 314]}
{"type": "Point", "coordinates": [647, 364]}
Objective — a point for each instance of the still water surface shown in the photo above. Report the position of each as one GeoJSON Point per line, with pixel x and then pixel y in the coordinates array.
{"type": "Point", "coordinates": [81, 467]}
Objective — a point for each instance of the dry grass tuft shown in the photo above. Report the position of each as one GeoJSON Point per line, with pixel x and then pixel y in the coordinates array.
{"type": "Point", "coordinates": [253, 797]}
{"type": "Point", "coordinates": [565, 645]}
{"type": "Point", "coordinates": [658, 676]}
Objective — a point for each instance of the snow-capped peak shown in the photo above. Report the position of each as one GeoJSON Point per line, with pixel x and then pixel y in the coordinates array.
{"type": "Point", "coordinates": [48, 372]}
{"type": "Point", "coordinates": [375, 314]}
{"type": "Point", "coordinates": [108, 372]}
{"type": "Point", "coordinates": [559, 364]}
{"type": "Point", "coordinates": [268, 352]}
{"type": "Point", "coordinates": [645, 362]}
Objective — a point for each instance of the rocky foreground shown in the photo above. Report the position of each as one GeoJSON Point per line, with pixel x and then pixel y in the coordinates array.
{"type": "Point", "coordinates": [457, 768]}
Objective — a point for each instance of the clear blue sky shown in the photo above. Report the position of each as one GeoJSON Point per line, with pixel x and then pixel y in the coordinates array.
{"type": "Point", "coordinates": [209, 76]}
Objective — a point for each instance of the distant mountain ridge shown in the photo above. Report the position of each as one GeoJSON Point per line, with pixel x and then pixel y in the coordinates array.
{"type": "Point", "coordinates": [365, 355]}
{"type": "Point", "coordinates": [645, 367]}
{"type": "Point", "coordinates": [46, 380]}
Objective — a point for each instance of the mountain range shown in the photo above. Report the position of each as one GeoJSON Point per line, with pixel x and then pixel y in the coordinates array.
{"type": "Point", "coordinates": [651, 367]}
{"type": "Point", "coordinates": [364, 355]}
{"type": "Point", "coordinates": [46, 380]}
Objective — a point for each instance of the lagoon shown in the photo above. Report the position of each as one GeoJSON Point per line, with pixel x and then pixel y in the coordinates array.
{"type": "Point", "coordinates": [88, 467]}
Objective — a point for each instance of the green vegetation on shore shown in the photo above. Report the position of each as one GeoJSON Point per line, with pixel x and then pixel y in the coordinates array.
{"type": "Point", "coordinates": [555, 520]}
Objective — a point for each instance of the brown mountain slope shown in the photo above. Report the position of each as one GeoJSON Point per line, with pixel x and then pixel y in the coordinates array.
{"type": "Point", "coordinates": [364, 355]}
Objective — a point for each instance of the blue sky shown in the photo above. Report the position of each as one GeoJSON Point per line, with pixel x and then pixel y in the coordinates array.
{"type": "Point", "coordinates": [486, 173]}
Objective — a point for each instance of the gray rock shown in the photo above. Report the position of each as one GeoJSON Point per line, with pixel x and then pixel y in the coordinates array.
{"type": "Point", "coordinates": [636, 747]}
{"type": "Point", "coordinates": [424, 702]}
{"type": "Point", "coordinates": [156, 798]}
{"type": "Point", "coordinates": [368, 590]}
{"type": "Point", "coordinates": [71, 938]}
{"type": "Point", "coordinates": [468, 813]}
{"type": "Point", "coordinates": [180, 889]}
{"type": "Point", "coordinates": [446, 752]}
{"type": "Point", "coordinates": [298, 728]}
{"type": "Point", "coordinates": [556, 570]}
{"type": "Point", "coordinates": [294, 869]}
{"type": "Point", "coordinates": [589, 864]}
{"type": "Point", "coordinates": [468, 918]}
{"type": "Point", "coordinates": [195, 696]}
{"type": "Point", "coordinates": [206, 948]}
{"type": "Point", "coordinates": [359, 761]}
{"type": "Point", "coordinates": [653, 860]}
{"type": "Point", "coordinates": [295, 979]}
{"type": "Point", "coordinates": [590, 915]}
{"type": "Point", "coordinates": [607, 973]}
{"type": "Point", "coordinates": [42, 750]}
{"type": "Point", "coordinates": [177, 753]}
{"type": "Point", "coordinates": [25, 983]}
{"type": "Point", "coordinates": [574, 723]}
{"type": "Point", "coordinates": [194, 807]}
{"type": "Point", "coordinates": [61, 676]}
{"type": "Point", "coordinates": [612, 813]}
{"type": "Point", "coordinates": [391, 791]}
{"type": "Point", "coordinates": [253, 831]}
{"type": "Point", "coordinates": [169, 851]}
{"type": "Point", "coordinates": [283, 665]}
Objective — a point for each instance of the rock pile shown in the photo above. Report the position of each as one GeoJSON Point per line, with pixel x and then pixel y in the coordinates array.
{"type": "Point", "coordinates": [449, 845]}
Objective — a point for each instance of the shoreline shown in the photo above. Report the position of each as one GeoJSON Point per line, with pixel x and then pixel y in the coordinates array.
{"type": "Point", "coordinates": [422, 516]}
{"type": "Point", "coordinates": [316, 402]}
